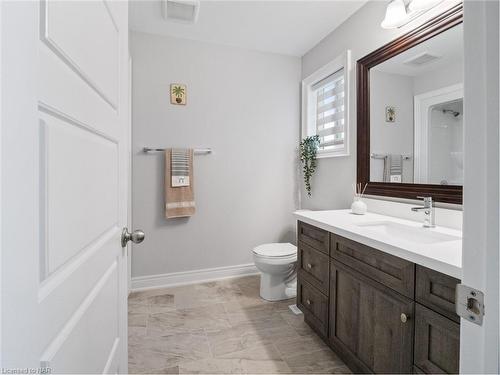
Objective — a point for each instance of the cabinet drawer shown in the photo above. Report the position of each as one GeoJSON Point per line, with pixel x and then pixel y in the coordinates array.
{"type": "Point", "coordinates": [394, 272]}
{"type": "Point", "coordinates": [314, 237]}
{"type": "Point", "coordinates": [437, 342]}
{"type": "Point", "coordinates": [313, 267]}
{"type": "Point", "coordinates": [436, 291]}
{"type": "Point", "coordinates": [314, 305]}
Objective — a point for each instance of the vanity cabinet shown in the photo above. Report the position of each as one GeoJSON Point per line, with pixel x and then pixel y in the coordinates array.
{"type": "Point", "coordinates": [379, 312]}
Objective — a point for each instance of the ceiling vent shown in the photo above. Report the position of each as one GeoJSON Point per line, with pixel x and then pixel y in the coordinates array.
{"type": "Point", "coordinates": [421, 59]}
{"type": "Point", "coordinates": [185, 11]}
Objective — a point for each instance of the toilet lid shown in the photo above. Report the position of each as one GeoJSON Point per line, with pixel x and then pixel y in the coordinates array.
{"type": "Point", "coordinates": [275, 250]}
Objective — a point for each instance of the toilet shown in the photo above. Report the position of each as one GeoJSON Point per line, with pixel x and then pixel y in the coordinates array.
{"type": "Point", "coordinates": [277, 264]}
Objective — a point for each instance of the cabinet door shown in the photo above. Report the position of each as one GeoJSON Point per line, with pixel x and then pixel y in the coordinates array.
{"type": "Point", "coordinates": [437, 342]}
{"type": "Point", "coordinates": [366, 325]}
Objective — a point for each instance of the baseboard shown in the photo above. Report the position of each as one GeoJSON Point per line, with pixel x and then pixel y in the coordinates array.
{"type": "Point", "coordinates": [191, 277]}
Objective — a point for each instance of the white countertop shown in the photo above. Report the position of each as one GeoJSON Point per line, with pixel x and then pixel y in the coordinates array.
{"type": "Point", "coordinates": [443, 256]}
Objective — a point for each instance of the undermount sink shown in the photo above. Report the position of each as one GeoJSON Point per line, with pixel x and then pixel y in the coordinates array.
{"type": "Point", "coordinates": [408, 233]}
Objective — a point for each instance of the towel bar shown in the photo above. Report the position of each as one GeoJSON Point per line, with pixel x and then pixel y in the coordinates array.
{"type": "Point", "coordinates": [196, 150]}
{"type": "Point", "coordinates": [383, 156]}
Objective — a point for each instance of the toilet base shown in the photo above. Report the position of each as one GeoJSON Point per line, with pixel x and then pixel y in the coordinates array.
{"type": "Point", "coordinates": [274, 288]}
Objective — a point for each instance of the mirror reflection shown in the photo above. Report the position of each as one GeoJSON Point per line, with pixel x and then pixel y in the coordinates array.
{"type": "Point", "coordinates": [416, 114]}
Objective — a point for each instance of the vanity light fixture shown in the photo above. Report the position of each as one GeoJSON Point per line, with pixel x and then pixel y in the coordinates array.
{"type": "Point", "coordinates": [395, 15]}
{"type": "Point", "coordinates": [400, 12]}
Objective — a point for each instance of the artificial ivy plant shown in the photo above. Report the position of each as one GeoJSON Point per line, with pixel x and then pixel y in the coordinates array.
{"type": "Point", "coordinates": [308, 150]}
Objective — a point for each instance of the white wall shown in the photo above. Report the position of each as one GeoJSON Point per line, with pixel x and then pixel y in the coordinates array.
{"type": "Point", "coordinates": [437, 79]}
{"type": "Point", "coordinates": [396, 137]}
{"type": "Point", "coordinates": [245, 106]}
{"type": "Point", "coordinates": [362, 34]}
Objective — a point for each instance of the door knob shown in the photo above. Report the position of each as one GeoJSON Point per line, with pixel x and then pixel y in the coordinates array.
{"type": "Point", "coordinates": [137, 236]}
{"type": "Point", "coordinates": [404, 318]}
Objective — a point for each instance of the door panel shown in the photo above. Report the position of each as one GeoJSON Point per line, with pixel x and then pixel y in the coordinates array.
{"type": "Point", "coordinates": [89, 110]}
{"type": "Point", "coordinates": [88, 337]}
{"type": "Point", "coordinates": [67, 181]}
{"type": "Point", "coordinates": [92, 52]}
{"type": "Point", "coordinates": [71, 155]}
{"type": "Point", "coordinates": [65, 291]}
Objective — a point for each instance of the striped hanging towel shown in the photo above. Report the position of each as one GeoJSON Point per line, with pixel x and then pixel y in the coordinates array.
{"type": "Point", "coordinates": [179, 189]}
{"type": "Point", "coordinates": [393, 168]}
{"type": "Point", "coordinates": [180, 167]}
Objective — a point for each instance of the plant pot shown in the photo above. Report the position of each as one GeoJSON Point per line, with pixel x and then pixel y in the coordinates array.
{"type": "Point", "coordinates": [178, 100]}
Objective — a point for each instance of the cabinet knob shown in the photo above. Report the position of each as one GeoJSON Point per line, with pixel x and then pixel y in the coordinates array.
{"type": "Point", "coordinates": [309, 265]}
{"type": "Point", "coordinates": [404, 318]}
{"type": "Point", "coordinates": [308, 302]}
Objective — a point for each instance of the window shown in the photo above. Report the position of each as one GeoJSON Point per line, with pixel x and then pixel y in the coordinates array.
{"type": "Point", "coordinates": [325, 107]}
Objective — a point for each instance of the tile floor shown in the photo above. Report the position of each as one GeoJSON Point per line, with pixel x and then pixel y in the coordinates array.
{"type": "Point", "coordinates": [222, 327]}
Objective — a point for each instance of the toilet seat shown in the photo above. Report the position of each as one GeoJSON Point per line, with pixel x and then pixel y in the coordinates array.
{"type": "Point", "coordinates": [275, 250]}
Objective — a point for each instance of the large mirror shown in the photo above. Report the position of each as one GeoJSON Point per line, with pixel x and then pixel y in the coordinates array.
{"type": "Point", "coordinates": [410, 113]}
{"type": "Point", "coordinates": [416, 113]}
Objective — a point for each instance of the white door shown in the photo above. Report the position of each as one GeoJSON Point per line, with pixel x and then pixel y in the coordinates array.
{"type": "Point", "coordinates": [479, 345]}
{"type": "Point", "coordinates": [64, 112]}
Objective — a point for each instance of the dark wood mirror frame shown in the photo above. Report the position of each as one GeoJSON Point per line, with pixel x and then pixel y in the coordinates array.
{"type": "Point", "coordinates": [440, 193]}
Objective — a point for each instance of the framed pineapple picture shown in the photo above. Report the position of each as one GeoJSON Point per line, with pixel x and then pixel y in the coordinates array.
{"type": "Point", "coordinates": [390, 114]}
{"type": "Point", "coordinates": [178, 94]}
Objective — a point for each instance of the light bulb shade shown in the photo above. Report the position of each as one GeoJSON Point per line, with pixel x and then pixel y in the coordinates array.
{"type": "Point", "coordinates": [421, 5]}
{"type": "Point", "coordinates": [395, 14]}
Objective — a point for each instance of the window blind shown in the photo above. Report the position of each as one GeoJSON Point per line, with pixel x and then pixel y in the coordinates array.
{"type": "Point", "coordinates": [330, 115]}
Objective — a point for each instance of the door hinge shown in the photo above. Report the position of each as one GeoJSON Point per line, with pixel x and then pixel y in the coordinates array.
{"type": "Point", "coordinates": [469, 303]}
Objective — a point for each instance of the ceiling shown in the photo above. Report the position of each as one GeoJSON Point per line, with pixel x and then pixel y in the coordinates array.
{"type": "Point", "coordinates": [284, 27]}
{"type": "Point", "coordinates": [447, 46]}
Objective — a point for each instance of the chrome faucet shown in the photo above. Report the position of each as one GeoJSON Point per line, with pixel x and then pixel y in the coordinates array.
{"type": "Point", "coordinates": [428, 208]}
